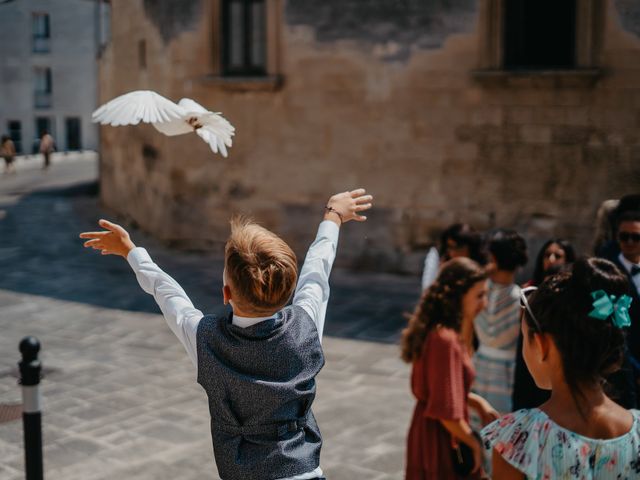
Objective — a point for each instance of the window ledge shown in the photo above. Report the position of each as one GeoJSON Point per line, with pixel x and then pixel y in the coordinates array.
{"type": "Point", "coordinates": [578, 78]}
{"type": "Point", "coordinates": [269, 83]}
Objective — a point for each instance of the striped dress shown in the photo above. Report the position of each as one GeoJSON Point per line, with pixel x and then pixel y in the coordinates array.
{"type": "Point", "coordinates": [497, 328]}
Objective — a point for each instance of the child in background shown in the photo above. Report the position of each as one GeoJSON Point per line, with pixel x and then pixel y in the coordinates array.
{"type": "Point", "coordinates": [258, 364]}
{"type": "Point", "coordinates": [573, 338]}
{"type": "Point", "coordinates": [497, 327]}
{"type": "Point", "coordinates": [458, 240]}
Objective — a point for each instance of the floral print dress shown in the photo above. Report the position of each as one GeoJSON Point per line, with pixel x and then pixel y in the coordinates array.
{"type": "Point", "coordinates": [532, 443]}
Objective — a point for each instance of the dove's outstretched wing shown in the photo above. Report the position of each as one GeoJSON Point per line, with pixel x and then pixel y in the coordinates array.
{"type": "Point", "coordinates": [167, 117]}
{"type": "Point", "coordinates": [215, 130]}
{"type": "Point", "coordinates": [139, 106]}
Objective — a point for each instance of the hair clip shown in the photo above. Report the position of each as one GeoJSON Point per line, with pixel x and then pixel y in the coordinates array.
{"type": "Point", "coordinates": [605, 306]}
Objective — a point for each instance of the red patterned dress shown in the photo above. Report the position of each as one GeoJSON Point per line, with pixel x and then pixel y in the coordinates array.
{"type": "Point", "coordinates": [441, 380]}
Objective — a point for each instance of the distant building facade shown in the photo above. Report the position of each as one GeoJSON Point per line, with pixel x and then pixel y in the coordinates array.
{"type": "Point", "coordinates": [48, 71]}
{"type": "Point", "coordinates": [500, 113]}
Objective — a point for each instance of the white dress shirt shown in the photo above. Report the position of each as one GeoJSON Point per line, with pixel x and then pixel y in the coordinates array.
{"type": "Point", "coordinates": [627, 265]}
{"type": "Point", "coordinates": [431, 268]}
{"type": "Point", "coordinates": [312, 294]}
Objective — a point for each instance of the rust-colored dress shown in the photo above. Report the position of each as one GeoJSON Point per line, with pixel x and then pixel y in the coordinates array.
{"type": "Point", "coordinates": [441, 380]}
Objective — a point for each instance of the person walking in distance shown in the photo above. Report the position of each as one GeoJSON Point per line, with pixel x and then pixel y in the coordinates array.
{"type": "Point", "coordinates": [47, 146]}
{"type": "Point", "coordinates": [8, 151]}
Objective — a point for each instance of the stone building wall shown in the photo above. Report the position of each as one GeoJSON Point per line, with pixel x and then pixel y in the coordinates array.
{"type": "Point", "coordinates": [385, 95]}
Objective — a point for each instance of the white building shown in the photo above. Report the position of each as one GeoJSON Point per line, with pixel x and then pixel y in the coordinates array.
{"type": "Point", "coordinates": [48, 70]}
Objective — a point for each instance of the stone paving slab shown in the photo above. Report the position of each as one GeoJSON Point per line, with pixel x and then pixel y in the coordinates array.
{"type": "Point", "coordinates": [115, 410]}
{"type": "Point", "coordinates": [119, 394]}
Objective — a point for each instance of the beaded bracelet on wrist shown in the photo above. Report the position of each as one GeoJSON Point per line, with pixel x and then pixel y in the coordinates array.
{"type": "Point", "coordinates": [333, 210]}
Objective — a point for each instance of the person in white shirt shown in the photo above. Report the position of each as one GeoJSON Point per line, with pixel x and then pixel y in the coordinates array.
{"type": "Point", "coordinates": [258, 365]}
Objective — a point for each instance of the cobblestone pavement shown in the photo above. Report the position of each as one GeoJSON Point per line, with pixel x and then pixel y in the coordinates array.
{"type": "Point", "coordinates": [119, 394]}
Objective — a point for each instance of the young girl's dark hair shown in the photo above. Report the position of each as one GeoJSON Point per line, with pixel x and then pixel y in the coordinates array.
{"type": "Point", "coordinates": [591, 349]}
{"type": "Point", "coordinates": [569, 254]}
{"type": "Point", "coordinates": [509, 249]}
{"type": "Point", "coordinates": [464, 235]}
{"type": "Point", "coordinates": [440, 304]}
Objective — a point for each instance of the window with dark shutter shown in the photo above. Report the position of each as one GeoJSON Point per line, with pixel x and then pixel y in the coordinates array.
{"type": "Point", "coordinates": [539, 34]}
{"type": "Point", "coordinates": [244, 51]}
{"type": "Point", "coordinates": [41, 33]}
{"type": "Point", "coordinates": [42, 86]}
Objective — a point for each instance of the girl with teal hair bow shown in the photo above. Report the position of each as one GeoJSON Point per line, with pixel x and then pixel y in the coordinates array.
{"type": "Point", "coordinates": [609, 306]}
{"type": "Point", "coordinates": [574, 338]}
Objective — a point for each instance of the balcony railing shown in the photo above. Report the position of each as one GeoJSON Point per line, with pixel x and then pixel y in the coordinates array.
{"type": "Point", "coordinates": [41, 44]}
{"type": "Point", "coordinates": [42, 99]}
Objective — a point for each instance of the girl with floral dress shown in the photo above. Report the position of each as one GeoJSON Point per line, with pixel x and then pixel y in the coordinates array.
{"type": "Point", "coordinates": [573, 328]}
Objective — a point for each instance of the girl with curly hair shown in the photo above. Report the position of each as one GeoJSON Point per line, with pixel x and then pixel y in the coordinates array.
{"type": "Point", "coordinates": [442, 374]}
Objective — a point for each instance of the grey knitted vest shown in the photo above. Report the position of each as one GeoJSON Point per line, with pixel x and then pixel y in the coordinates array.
{"type": "Point", "coordinates": [260, 382]}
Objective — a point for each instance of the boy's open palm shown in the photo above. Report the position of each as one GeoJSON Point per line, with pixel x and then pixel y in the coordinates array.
{"type": "Point", "coordinates": [349, 205]}
{"type": "Point", "coordinates": [113, 241]}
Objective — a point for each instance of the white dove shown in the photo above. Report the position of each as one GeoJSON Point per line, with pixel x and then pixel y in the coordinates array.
{"type": "Point", "coordinates": [167, 117]}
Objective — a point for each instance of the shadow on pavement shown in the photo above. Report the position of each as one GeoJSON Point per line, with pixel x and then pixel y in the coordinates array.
{"type": "Point", "coordinates": [41, 254]}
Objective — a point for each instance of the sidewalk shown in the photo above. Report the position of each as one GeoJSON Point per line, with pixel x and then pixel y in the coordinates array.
{"type": "Point", "coordinates": [120, 397]}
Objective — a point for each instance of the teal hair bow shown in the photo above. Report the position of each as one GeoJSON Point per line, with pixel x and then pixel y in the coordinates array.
{"type": "Point", "coordinates": [605, 306]}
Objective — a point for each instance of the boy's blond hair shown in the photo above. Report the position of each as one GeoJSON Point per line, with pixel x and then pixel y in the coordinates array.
{"type": "Point", "coordinates": [260, 268]}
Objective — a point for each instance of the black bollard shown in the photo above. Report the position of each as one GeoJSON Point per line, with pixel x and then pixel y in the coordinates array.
{"type": "Point", "coordinates": [31, 417]}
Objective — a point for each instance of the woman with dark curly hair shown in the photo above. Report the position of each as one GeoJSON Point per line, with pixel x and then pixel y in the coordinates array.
{"type": "Point", "coordinates": [573, 328]}
{"type": "Point", "coordinates": [442, 373]}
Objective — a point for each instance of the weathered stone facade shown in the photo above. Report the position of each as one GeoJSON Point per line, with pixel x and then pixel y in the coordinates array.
{"type": "Point", "coordinates": [394, 96]}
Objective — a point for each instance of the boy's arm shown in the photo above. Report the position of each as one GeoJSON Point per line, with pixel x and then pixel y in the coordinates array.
{"type": "Point", "coordinates": [180, 314]}
{"type": "Point", "coordinates": [312, 292]}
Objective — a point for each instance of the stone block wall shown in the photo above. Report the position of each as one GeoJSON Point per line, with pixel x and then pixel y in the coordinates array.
{"type": "Point", "coordinates": [374, 94]}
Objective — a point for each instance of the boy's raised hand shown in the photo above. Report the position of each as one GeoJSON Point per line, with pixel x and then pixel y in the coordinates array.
{"type": "Point", "coordinates": [346, 206]}
{"type": "Point", "coordinates": [113, 241]}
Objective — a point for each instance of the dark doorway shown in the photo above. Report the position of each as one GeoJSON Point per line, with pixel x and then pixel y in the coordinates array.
{"type": "Point", "coordinates": [15, 132]}
{"type": "Point", "coordinates": [74, 139]}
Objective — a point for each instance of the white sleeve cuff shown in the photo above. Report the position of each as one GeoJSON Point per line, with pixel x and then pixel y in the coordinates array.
{"type": "Point", "coordinates": [137, 256]}
{"type": "Point", "coordinates": [328, 229]}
